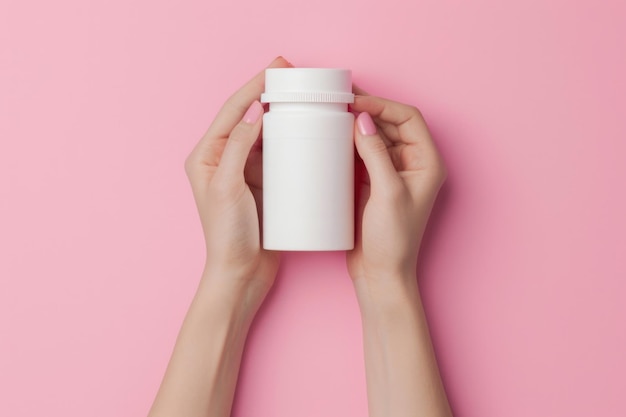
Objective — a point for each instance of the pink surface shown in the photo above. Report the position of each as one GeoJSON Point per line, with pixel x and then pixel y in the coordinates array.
{"type": "Point", "coordinates": [523, 270]}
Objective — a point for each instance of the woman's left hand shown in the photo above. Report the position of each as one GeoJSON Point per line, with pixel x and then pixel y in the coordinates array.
{"type": "Point", "coordinates": [225, 173]}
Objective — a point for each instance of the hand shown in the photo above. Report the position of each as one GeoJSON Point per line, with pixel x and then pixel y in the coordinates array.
{"type": "Point", "coordinates": [401, 176]}
{"type": "Point", "coordinates": [225, 173]}
{"type": "Point", "coordinates": [401, 173]}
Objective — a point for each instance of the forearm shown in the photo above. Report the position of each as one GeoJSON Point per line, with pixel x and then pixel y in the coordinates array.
{"type": "Point", "coordinates": [402, 374]}
{"type": "Point", "coordinates": [202, 373]}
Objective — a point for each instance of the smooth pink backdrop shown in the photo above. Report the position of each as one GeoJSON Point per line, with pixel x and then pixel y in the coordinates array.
{"type": "Point", "coordinates": [523, 270]}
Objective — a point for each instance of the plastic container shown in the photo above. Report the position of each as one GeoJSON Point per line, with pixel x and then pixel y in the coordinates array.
{"type": "Point", "coordinates": [308, 160]}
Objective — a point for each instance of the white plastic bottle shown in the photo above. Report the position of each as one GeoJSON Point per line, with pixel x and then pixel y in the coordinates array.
{"type": "Point", "coordinates": [308, 160]}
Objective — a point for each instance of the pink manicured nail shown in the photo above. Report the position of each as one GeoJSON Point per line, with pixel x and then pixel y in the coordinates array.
{"type": "Point", "coordinates": [254, 112]}
{"type": "Point", "coordinates": [366, 124]}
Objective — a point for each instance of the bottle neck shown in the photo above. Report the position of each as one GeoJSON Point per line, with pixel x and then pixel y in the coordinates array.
{"type": "Point", "coordinates": [341, 107]}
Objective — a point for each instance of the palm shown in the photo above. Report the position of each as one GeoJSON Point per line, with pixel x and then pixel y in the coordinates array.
{"type": "Point", "coordinates": [252, 211]}
{"type": "Point", "coordinates": [246, 213]}
{"type": "Point", "coordinates": [269, 260]}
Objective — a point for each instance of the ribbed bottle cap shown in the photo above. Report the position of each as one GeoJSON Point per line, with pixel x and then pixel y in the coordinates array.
{"type": "Point", "coordinates": [307, 85]}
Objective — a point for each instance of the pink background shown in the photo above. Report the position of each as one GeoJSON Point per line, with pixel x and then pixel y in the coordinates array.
{"type": "Point", "coordinates": [523, 270]}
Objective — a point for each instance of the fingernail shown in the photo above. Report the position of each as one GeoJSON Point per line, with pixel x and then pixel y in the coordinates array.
{"type": "Point", "coordinates": [253, 113]}
{"type": "Point", "coordinates": [279, 57]}
{"type": "Point", "coordinates": [365, 124]}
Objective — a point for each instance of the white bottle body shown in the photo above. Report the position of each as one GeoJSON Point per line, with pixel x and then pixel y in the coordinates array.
{"type": "Point", "coordinates": [308, 177]}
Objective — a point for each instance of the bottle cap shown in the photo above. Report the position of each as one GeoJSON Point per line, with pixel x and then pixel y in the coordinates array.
{"type": "Point", "coordinates": [307, 85]}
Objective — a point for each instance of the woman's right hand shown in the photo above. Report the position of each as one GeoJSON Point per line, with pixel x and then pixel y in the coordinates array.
{"type": "Point", "coordinates": [402, 176]}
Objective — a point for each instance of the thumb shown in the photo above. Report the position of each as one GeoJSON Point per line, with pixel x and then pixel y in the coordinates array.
{"type": "Point", "coordinates": [374, 153]}
{"type": "Point", "coordinates": [240, 141]}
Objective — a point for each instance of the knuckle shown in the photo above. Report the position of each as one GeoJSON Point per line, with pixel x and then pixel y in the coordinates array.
{"type": "Point", "coordinates": [189, 164]}
{"type": "Point", "coordinates": [440, 172]}
{"type": "Point", "coordinates": [377, 146]}
{"type": "Point", "coordinates": [241, 133]}
{"type": "Point", "coordinates": [237, 134]}
{"type": "Point", "coordinates": [415, 112]}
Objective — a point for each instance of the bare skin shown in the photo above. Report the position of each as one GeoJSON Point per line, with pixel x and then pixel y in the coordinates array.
{"type": "Point", "coordinates": [403, 175]}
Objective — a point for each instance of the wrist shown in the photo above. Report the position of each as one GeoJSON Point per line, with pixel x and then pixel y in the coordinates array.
{"type": "Point", "coordinates": [205, 363]}
{"type": "Point", "coordinates": [232, 298]}
{"type": "Point", "coordinates": [387, 296]}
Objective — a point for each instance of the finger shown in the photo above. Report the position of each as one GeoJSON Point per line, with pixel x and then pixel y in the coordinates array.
{"type": "Point", "coordinates": [234, 108]}
{"type": "Point", "coordinates": [374, 153]}
{"type": "Point", "coordinates": [361, 196]}
{"type": "Point", "coordinates": [240, 141]}
{"type": "Point", "coordinates": [253, 171]}
{"type": "Point", "coordinates": [359, 91]}
{"type": "Point", "coordinates": [356, 90]}
{"type": "Point", "coordinates": [406, 119]}
{"type": "Point", "coordinates": [208, 151]}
